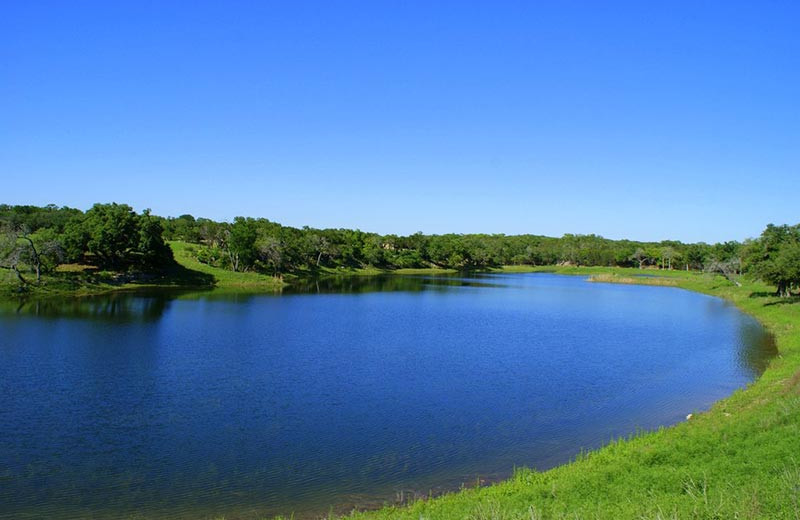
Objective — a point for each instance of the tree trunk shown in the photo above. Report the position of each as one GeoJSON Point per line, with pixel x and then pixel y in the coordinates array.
{"type": "Point", "coordinates": [17, 272]}
{"type": "Point", "coordinates": [37, 261]}
{"type": "Point", "coordinates": [234, 258]}
{"type": "Point", "coordinates": [19, 275]}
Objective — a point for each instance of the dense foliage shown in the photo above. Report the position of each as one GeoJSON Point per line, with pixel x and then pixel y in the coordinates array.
{"type": "Point", "coordinates": [262, 245]}
{"type": "Point", "coordinates": [775, 257]}
{"type": "Point", "coordinates": [108, 236]}
{"type": "Point", "coordinates": [114, 237]}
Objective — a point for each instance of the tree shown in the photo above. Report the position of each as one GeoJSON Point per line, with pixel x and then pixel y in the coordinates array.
{"type": "Point", "coordinates": [640, 255]}
{"type": "Point", "coordinates": [270, 253]}
{"type": "Point", "coordinates": [240, 243]}
{"type": "Point", "coordinates": [696, 256]}
{"type": "Point", "coordinates": [154, 252]}
{"type": "Point", "coordinates": [373, 250]}
{"type": "Point", "coordinates": [775, 257]}
{"type": "Point", "coordinates": [75, 239]}
{"type": "Point", "coordinates": [113, 233]}
{"type": "Point", "coordinates": [11, 254]}
{"type": "Point", "coordinates": [727, 268]}
{"type": "Point", "coordinates": [185, 228]}
{"type": "Point", "coordinates": [668, 254]}
{"type": "Point", "coordinates": [319, 246]}
{"type": "Point", "coordinates": [115, 237]}
{"type": "Point", "coordinates": [40, 251]}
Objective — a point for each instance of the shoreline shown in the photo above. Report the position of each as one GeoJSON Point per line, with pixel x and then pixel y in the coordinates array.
{"type": "Point", "coordinates": [716, 464]}
{"type": "Point", "coordinates": [60, 286]}
{"type": "Point", "coordinates": [190, 274]}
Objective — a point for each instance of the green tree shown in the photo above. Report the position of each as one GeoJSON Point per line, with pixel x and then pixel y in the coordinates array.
{"type": "Point", "coordinates": [775, 257]}
{"type": "Point", "coordinates": [240, 243]}
{"type": "Point", "coordinates": [668, 255]}
{"type": "Point", "coordinates": [696, 256]}
{"type": "Point", "coordinates": [641, 256]}
{"type": "Point", "coordinates": [113, 233]}
{"type": "Point", "coordinates": [270, 253]}
{"type": "Point", "coordinates": [75, 239]}
{"type": "Point", "coordinates": [153, 252]}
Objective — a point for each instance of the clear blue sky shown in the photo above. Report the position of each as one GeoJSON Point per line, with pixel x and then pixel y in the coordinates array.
{"type": "Point", "coordinates": [643, 120]}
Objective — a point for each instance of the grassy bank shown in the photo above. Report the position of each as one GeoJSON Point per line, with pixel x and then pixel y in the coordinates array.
{"type": "Point", "coordinates": [741, 459]}
{"type": "Point", "coordinates": [223, 278]}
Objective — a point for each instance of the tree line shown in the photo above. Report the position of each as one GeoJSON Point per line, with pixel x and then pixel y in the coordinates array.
{"type": "Point", "coordinates": [113, 236]}
{"type": "Point", "coordinates": [249, 244]}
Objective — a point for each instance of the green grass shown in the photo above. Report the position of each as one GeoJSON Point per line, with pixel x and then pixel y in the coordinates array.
{"type": "Point", "coordinates": [223, 278]}
{"type": "Point", "coordinates": [741, 459]}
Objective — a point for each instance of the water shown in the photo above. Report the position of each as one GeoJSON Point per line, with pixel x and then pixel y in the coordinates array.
{"type": "Point", "coordinates": [196, 405]}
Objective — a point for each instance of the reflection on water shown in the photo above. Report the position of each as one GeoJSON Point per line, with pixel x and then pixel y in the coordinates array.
{"type": "Point", "coordinates": [149, 304]}
{"type": "Point", "coordinates": [119, 307]}
{"type": "Point", "coordinates": [345, 392]}
{"type": "Point", "coordinates": [757, 348]}
{"type": "Point", "coordinates": [385, 283]}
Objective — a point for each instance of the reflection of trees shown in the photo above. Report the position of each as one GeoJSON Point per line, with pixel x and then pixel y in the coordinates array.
{"type": "Point", "coordinates": [119, 307]}
{"type": "Point", "coordinates": [148, 306]}
{"type": "Point", "coordinates": [757, 347]}
{"type": "Point", "coordinates": [387, 283]}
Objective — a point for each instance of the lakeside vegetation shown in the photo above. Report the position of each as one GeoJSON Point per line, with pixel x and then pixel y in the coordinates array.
{"type": "Point", "coordinates": [110, 246]}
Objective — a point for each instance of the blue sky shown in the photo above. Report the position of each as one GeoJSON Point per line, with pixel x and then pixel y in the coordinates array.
{"type": "Point", "coordinates": [638, 120]}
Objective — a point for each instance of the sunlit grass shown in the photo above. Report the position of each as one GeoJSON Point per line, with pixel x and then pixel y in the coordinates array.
{"type": "Point", "coordinates": [223, 278]}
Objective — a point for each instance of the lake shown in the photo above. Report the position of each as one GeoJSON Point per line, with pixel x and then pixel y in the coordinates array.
{"type": "Point", "coordinates": [344, 393]}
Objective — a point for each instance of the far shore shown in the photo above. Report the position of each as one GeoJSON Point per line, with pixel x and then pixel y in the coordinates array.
{"type": "Point", "coordinates": [192, 274]}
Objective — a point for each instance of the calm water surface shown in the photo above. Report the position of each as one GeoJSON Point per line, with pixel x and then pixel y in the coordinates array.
{"type": "Point", "coordinates": [197, 405]}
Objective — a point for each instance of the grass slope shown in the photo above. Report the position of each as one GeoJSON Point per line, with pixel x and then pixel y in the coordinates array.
{"type": "Point", "coordinates": [741, 459]}
{"type": "Point", "coordinates": [222, 278]}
